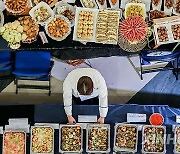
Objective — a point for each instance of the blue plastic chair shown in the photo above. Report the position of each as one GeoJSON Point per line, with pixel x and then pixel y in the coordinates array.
{"type": "Point", "coordinates": [147, 57]}
{"type": "Point", "coordinates": [33, 65]}
{"type": "Point", "coordinates": [5, 61]}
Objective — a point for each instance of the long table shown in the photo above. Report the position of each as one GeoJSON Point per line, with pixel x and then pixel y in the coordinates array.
{"type": "Point", "coordinates": [54, 113]}
{"type": "Point", "coordinates": [69, 49]}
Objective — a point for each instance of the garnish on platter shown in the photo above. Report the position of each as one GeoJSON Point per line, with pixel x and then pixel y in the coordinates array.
{"type": "Point", "coordinates": [13, 34]}
{"type": "Point", "coordinates": [30, 28]}
{"type": "Point", "coordinates": [58, 28]}
{"type": "Point", "coordinates": [133, 29]}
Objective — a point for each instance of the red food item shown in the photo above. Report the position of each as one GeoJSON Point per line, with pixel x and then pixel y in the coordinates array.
{"type": "Point", "coordinates": [133, 29]}
{"type": "Point", "coordinates": [156, 119]}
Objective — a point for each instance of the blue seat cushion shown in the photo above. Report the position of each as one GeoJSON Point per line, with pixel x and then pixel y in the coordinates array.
{"type": "Point", "coordinates": [5, 57]}
{"type": "Point", "coordinates": [7, 68]}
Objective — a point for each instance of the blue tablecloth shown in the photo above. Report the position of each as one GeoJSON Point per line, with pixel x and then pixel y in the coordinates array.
{"type": "Point", "coordinates": [54, 113]}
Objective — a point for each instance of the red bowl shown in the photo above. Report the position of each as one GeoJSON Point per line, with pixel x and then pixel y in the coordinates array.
{"type": "Point", "coordinates": [156, 119]}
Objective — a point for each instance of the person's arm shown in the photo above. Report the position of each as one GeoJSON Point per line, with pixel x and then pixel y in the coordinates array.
{"type": "Point", "coordinates": [67, 96]}
{"type": "Point", "coordinates": [103, 93]}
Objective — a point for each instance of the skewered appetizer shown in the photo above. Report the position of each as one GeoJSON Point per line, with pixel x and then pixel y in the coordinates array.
{"type": "Point", "coordinates": [85, 25]}
{"type": "Point", "coordinates": [176, 31]}
{"type": "Point", "coordinates": [58, 28]}
{"type": "Point", "coordinates": [98, 139]}
{"type": "Point", "coordinates": [162, 34]}
{"type": "Point", "coordinates": [153, 139]}
{"type": "Point", "coordinates": [156, 2]}
{"type": "Point", "coordinates": [133, 29]}
{"type": "Point", "coordinates": [71, 138]}
{"type": "Point", "coordinates": [30, 28]}
{"type": "Point", "coordinates": [134, 10]}
{"type": "Point", "coordinates": [126, 137]}
{"type": "Point", "coordinates": [51, 3]}
{"type": "Point", "coordinates": [16, 6]}
{"type": "Point", "coordinates": [41, 14]}
{"type": "Point", "coordinates": [42, 140]}
{"type": "Point", "coordinates": [14, 142]}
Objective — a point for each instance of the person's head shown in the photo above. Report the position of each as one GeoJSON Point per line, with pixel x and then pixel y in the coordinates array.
{"type": "Point", "coordinates": [85, 85]}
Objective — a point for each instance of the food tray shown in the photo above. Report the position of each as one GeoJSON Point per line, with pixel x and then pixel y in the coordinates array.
{"type": "Point", "coordinates": [2, 19]}
{"type": "Point", "coordinates": [42, 4]}
{"type": "Point", "coordinates": [15, 131]}
{"type": "Point", "coordinates": [69, 28]}
{"type": "Point", "coordinates": [158, 7]}
{"type": "Point", "coordinates": [169, 33]}
{"type": "Point", "coordinates": [60, 135]}
{"type": "Point", "coordinates": [115, 6]}
{"type": "Point", "coordinates": [123, 149]}
{"type": "Point", "coordinates": [35, 127]}
{"type": "Point", "coordinates": [102, 126]}
{"type": "Point", "coordinates": [137, 4]}
{"type": "Point", "coordinates": [78, 10]}
{"type": "Point", "coordinates": [168, 11]}
{"type": "Point", "coordinates": [94, 2]}
{"type": "Point", "coordinates": [104, 6]}
{"type": "Point", "coordinates": [156, 138]}
{"type": "Point", "coordinates": [174, 11]}
{"type": "Point", "coordinates": [72, 8]}
{"type": "Point", "coordinates": [107, 41]}
{"type": "Point", "coordinates": [176, 143]}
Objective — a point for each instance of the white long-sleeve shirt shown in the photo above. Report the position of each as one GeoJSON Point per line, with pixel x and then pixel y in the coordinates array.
{"type": "Point", "coordinates": [99, 89]}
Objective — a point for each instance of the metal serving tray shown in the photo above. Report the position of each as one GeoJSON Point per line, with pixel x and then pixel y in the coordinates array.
{"type": "Point", "coordinates": [164, 139]}
{"type": "Point", "coordinates": [70, 152]}
{"type": "Point", "coordinates": [18, 131]}
{"type": "Point", "coordinates": [118, 149]}
{"type": "Point", "coordinates": [105, 126]}
{"type": "Point", "coordinates": [52, 152]}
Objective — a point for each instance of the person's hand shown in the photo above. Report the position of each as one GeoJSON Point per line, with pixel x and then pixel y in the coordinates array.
{"type": "Point", "coordinates": [101, 120]}
{"type": "Point", "coordinates": [71, 120]}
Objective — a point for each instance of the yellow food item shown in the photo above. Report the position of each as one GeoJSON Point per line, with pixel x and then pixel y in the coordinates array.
{"type": "Point", "coordinates": [134, 10]}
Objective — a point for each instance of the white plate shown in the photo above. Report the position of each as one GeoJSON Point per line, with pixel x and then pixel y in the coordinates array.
{"type": "Point", "coordinates": [42, 4]}
{"type": "Point", "coordinates": [72, 8]}
{"type": "Point", "coordinates": [69, 27]}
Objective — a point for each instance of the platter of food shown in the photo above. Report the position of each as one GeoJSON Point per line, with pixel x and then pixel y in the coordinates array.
{"type": "Point", "coordinates": [114, 4]}
{"type": "Point", "coordinates": [102, 4]}
{"type": "Point", "coordinates": [14, 142]}
{"type": "Point", "coordinates": [85, 24]}
{"type": "Point", "coordinates": [41, 13]}
{"type": "Point", "coordinates": [107, 26]}
{"type": "Point", "coordinates": [98, 138]}
{"type": "Point", "coordinates": [168, 6]}
{"type": "Point", "coordinates": [58, 28]}
{"type": "Point", "coordinates": [65, 9]}
{"type": "Point", "coordinates": [125, 138]}
{"type": "Point", "coordinates": [156, 4]}
{"type": "Point", "coordinates": [16, 7]}
{"type": "Point", "coordinates": [176, 31]}
{"type": "Point", "coordinates": [51, 3]}
{"type": "Point", "coordinates": [176, 7]}
{"type": "Point", "coordinates": [89, 4]}
{"type": "Point", "coordinates": [154, 139]}
{"type": "Point", "coordinates": [1, 19]}
{"type": "Point", "coordinates": [30, 28]}
{"type": "Point", "coordinates": [177, 140]}
{"type": "Point", "coordinates": [134, 10]}
{"type": "Point", "coordinates": [42, 139]}
{"type": "Point", "coordinates": [70, 139]}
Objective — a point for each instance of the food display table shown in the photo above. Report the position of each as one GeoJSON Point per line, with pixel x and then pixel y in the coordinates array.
{"type": "Point", "coordinates": [54, 113]}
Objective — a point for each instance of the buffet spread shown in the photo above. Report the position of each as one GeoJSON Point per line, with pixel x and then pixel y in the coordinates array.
{"type": "Point", "coordinates": [127, 23]}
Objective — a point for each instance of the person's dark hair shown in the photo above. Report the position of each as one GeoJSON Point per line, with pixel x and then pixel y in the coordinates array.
{"type": "Point", "coordinates": [85, 85]}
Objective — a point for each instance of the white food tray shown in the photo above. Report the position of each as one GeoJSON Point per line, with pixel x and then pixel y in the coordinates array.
{"type": "Point", "coordinates": [70, 152]}
{"type": "Point", "coordinates": [78, 9]}
{"type": "Point", "coordinates": [72, 8]}
{"type": "Point", "coordinates": [166, 10]}
{"type": "Point", "coordinates": [42, 4]}
{"type": "Point", "coordinates": [102, 6]}
{"type": "Point", "coordinates": [2, 19]}
{"type": "Point", "coordinates": [95, 5]}
{"type": "Point", "coordinates": [69, 28]}
{"type": "Point", "coordinates": [19, 131]}
{"type": "Point", "coordinates": [103, 126]}
{"type": "Point", "coordinates": [118, 149]}
{"type": "Point", "coordinates": [32, 127]}
{"type": "Point", "coordinates": [138, 4]}
{"type": "Point", "coordinates": [158, 7]}
{"type": "Point", "coordinates": [164, 139]}
{"type": "Point", "coordinates": [174, 12]}
{"type": "Point", "coordinates": [116, 6]}
{"type": "Point", "coordinates": [169, 33]}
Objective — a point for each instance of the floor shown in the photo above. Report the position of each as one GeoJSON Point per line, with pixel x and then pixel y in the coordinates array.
{"type": "Point", "coordinates": [123, 82]}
